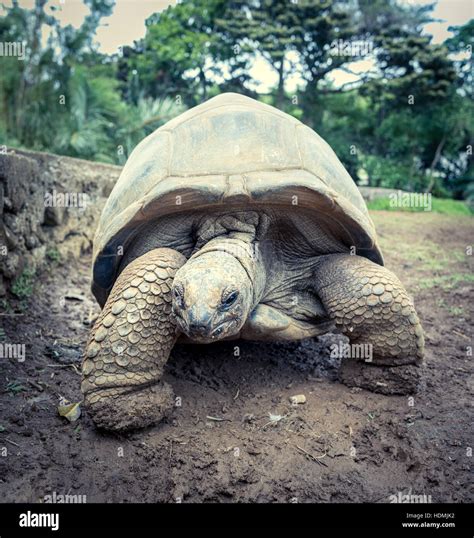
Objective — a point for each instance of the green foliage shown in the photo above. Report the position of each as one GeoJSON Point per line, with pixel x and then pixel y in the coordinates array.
{"type": "Point", "coordinates": [439, 205]}
{"type": "Point", "coordinates": [23, 286]}
{"type": "Point", "coordinates": [15, 387]}
{"type": "Point", "coordinates": [53, 255]}
{"type": "Point", "coordinates": [65, 97]}
{"type": "Point", "coordinates": [171, 60]}
{"type": "Point", "coordinates": [407, 123]}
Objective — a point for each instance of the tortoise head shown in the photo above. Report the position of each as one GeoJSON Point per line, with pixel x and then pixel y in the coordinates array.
{"type": "Point", "coordinates": [212, 296]}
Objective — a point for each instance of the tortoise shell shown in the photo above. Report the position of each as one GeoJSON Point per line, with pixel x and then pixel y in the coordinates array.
{"type": "Point", "coordinates": [230, 151]}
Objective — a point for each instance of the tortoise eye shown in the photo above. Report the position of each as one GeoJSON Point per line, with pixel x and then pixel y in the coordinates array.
{"type": "Point", "coordinates": [229, 300]}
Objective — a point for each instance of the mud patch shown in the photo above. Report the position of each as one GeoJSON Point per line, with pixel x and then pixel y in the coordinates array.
{"type": "Point", "coordinates": [236, 436]}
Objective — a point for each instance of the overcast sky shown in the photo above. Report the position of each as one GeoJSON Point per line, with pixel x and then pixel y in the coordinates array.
{"type": "Point", "coordinates": [127, 24]}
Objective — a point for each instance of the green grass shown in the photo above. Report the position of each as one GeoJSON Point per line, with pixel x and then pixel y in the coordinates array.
{"type": "Point", "coordinates": [446, 282]}
{"type": "Point", "coordinates": [24, 284]}
{"type": "Point", "coordinates": [53, 255]}
{"type": "Point", "coordinates": [5, 305]}
{"type": "Point", "coordinates": [456, 311]}
{"type": "Point", "coordinates": [438, 205]}
{"type": "Point", "coordinates": [14, 387]}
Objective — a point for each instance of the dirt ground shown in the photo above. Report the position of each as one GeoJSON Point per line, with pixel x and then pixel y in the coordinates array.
{"type": "Point", "coordinates": [343, 445]}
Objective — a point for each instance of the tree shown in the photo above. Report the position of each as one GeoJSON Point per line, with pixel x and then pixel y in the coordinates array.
{"type": "Point", "coordinates": [30, 89]}
{"type": "Point", "coordinates": [179, 53]}
{"type": "Point", "coordinates": [269, 28]}
{"type": "Point", "coordinates": [461, 45]}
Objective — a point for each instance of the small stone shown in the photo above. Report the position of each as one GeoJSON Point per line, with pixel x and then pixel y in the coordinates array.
{"type": "Point", "coordinates": [298, 399]}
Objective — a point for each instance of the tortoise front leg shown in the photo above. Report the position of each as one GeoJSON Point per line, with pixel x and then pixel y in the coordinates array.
{"type": "Point", "coordinates": [130, 344]}
{"type": "Point", "coordinates": [370, 306]}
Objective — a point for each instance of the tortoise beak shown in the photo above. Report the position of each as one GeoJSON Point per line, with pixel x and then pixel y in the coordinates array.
{"type": "Point", "coordinates": [197, 325]}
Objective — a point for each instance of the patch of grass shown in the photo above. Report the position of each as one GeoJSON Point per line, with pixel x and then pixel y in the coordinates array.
{"type": "Point", "coordinates": [24, 284]}
{"type": "Point", "coordinates": [432, 257]}
{"type": "Point", "coordinates": [14, 387]}
{"type": "Point", "coordinates": [456, 310]}
{"type": "Point", "coordinates": [445, 282]}
{"type": "Point", "coordinates": [445, 206]}
{"type": "Point", "coordinates": [53, 255]}
{"type": "Point", "coordinates": [5, 305]}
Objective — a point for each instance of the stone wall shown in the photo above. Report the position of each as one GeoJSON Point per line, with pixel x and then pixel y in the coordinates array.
{"type": "Point", "coordinates": [49, 207]}
{"type": "Point", "coordinates": [372, 193]}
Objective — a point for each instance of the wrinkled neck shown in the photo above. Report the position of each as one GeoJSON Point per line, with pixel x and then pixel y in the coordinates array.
{"type": "Point", "coordinates": [246, 251]}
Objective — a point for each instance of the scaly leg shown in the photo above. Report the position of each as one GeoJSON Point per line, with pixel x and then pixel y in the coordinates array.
{"type": "Point", "coordinates": [370, 306]}
{"type": "Point", "coordinates": [130, 344]}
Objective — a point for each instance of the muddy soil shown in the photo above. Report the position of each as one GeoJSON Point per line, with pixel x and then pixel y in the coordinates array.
{"type": "Point", "coordinates": [236, 437]}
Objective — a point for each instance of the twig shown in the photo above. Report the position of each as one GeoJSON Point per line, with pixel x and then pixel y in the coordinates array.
{"type": "Point", "coordinates": [12, 442]}
{"type": "Point", "coordinates": [311, 456]}
{"type": "Point", "coordinates": [36, 385]}
{"type": "Point", "coordinates": [217, 419]}
{"type": "Point", "coordinates": [461, 334]}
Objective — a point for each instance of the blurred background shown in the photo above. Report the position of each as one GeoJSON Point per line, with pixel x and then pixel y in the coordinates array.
{"type": "Point", "coordinates": [387, 83]}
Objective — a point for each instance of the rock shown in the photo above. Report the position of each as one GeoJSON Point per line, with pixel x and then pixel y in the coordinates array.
{"type": "Point", "coordinates": [64, 354]}
{"type": "Point", "coordinates": [298, 399]}
{"type": "Point", "coordinates": [3, 287]}
{"type": "Point", "coordinates": [53, 216]}
{"type": "Point", "coordinates": [12, 265]}
{"type": "Point", "coordinates": [10, 239]}
{"type": "Point", "coordinates": [28, 229]}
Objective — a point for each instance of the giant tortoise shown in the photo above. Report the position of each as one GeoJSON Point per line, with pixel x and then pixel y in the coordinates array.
{"type": "Point", "coordinates": [235, 220]}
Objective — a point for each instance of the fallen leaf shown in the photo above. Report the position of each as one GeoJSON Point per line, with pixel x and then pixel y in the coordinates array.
{"type": "Point", "coordinates": [70, 411]}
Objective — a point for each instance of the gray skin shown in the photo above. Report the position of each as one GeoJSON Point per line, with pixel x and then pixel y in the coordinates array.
{"type": "Point", "coordinates": [235, 285]}
{"type": "Point", "coordinates": [262, 275]}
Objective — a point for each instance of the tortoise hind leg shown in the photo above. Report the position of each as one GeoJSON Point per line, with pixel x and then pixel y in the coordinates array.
{"type": "Point", "coordinates": [370, 306]}
{"type": "Point", "coordinates": [130, 344]}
